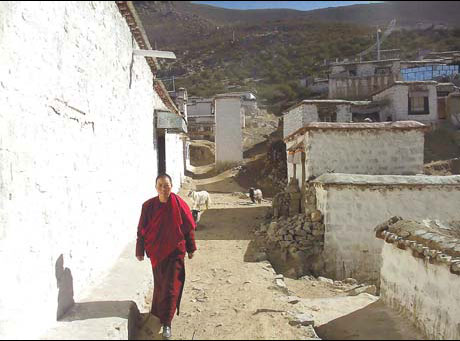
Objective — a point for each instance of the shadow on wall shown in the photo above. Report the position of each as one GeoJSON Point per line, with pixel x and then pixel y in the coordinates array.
{"type": "Point", "coordinates": [65, 287]}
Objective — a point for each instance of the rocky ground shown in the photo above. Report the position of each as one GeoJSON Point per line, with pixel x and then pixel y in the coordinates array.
{"type": "Point", "coordinates": [233, 292]}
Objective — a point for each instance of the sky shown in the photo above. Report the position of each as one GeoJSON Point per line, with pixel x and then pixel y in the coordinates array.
{"type": "Point", "coordinates": [298, 5]}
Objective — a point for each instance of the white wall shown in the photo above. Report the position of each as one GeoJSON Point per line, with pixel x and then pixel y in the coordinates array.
{"type": "Point", "coordinates": [175, 159]}
{"type": "Point", "coordinates": [76, 153]}
{"type": "Point", "coordinates": [352, 210]}
{"type": "Point", "coordinates": [370, 151]}
{"type": "Point", "coordinates": [344, 113]}
{"type": "Point", "coordinates": [397, 108]}
{"type": "Point", "coordinates": [229, 133]}
{"type": "Point", "coordinates": [298, 117]}
{"type": "Point", "coordinates": [428, 294]}
{"type": "Point", "coordinates": [199, 108]}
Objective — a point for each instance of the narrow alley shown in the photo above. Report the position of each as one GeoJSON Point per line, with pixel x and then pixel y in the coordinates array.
{"type": "Point", "coordinates": [231, 292]}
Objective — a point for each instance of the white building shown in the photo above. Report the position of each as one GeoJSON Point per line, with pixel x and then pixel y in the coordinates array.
{"type": "Point", "coordinates": [358, 80]}
{"type": "Point", "coordinates": [229, 124]}
{"type": "Point", "coordinates": [78, 151]}
{"type": "Point", "coordinates": [404, 101]}
{"type": "Point", "coordinates": [355, 148]}
{"type": "Point", "coordinates": [353, 205]}
{"type": "Point", "coordinates": [309, 111]}
{"type": "Point", "coordinates": [197, 106]}
{"type": "Point", "coordinates": [420, 274]}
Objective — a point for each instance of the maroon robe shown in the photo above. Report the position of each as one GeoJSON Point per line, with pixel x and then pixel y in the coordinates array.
{"type": "Point", "coordinates": [166, 232]}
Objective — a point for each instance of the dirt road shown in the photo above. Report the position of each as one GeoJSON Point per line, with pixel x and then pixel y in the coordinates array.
{"type": "Point", "coordinates": [228, 295]}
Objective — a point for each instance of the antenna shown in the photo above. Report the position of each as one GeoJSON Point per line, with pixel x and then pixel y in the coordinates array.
{"type": "Point", "coordinates": [380, 40]}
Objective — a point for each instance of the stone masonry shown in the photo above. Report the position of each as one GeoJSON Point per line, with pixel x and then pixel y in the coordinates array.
{"type": "Point", "coordinates": [420, 273]}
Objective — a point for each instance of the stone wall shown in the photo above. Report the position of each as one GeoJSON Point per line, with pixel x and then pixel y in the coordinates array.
{"type": "Point", "coordinates": [76, 153]}
{"type": "Point", "coordinates": [374, 149]}
{"type": "Point", "coordinates": [298, 117]}
{"type": "Point", "coordinates": [420, 275]}
{"type": "Point", "coordinates": [353, 205]}
{"type": "Point", "coordinates": [300, 238]}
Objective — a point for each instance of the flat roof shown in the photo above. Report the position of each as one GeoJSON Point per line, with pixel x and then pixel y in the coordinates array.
{"type": "Point", "coordinates": [398, 125]}
{"type": "Point", "coordinates": [386, 180]}
{"type": "Point", "coordinates": [366, 62]}
{"type": "Point", "coordinates": [319, 101]}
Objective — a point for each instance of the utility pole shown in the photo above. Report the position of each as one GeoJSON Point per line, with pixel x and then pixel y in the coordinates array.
{"type": "Point", "coordinates": [378, 43]}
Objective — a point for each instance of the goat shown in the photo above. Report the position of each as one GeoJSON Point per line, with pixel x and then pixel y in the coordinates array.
{"type": "Point", "coordinates": [200, 198]}
{"type": "Point", "coordinates": [196, 215]}
{"type": "Point", "coordinates": [255, 194]}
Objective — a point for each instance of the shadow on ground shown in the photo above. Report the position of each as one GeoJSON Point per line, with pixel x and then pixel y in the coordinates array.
{"type": "Point", "coordinates": [149, 328]}
{"type": "Point", "coordinates": [229, 223]}
{"type": "Point", "coordinates": [101, 309]}
{"type": "Point", "coordinates": [374, 322]}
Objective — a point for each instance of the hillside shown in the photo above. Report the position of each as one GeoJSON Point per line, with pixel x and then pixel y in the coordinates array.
{"type": "Point", "coordinates": [268, 51]}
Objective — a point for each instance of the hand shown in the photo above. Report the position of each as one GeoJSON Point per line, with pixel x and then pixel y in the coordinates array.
{"type": "Point", "coordinates": [190, 255]}
{"type": "Point", "coordinates": [140, 258]}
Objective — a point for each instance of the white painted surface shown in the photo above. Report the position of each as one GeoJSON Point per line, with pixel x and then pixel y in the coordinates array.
{"type": "Point", "coordinates": [351, 212]}
{"type": "Point", "coordinates": [398, 107]}
{"type": "Point", "coordinates": [76, 153]}
{"type": "Point", "coordinates": [175, 159]}
{"type": "Point", "coordinates": [428, 294]}
{"type": "Point", "coordinates": [199, 107]}
{"type": "Point", "coordinates": [305, 113]}
{"type": "Point", "coordinates": [362, 152]}
{"type": "Point", "coordinates": [229, 133]}
{"type": "Point", "coordinates": [298, 117]}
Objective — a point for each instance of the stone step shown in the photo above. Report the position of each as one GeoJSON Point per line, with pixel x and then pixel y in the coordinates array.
{"type": "Point", "coordinates": [110, 309]}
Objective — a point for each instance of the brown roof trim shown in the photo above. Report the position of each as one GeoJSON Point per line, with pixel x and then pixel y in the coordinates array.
{"type": "Point", "coordinates": [423, 242]}
{"type": "Point", "coordinates": [128, 12]}
{"type": "Point", "coordinates": [164, 95]}
{"type": "Point", "coordinates": [398, 125]}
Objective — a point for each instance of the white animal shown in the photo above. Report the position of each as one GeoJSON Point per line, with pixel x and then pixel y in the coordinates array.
{"type": "Point", "coordinates": [255, 195]}
{"type": "Point", "coordinates": [199, 199]}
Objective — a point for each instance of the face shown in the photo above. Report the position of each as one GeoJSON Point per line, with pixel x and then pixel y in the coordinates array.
{"type": "Point", "coordinates": [163, 187]}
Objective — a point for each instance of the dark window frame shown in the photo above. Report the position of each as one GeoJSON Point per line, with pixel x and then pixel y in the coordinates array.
{"type": "Point", "coordinates": [426, 106]}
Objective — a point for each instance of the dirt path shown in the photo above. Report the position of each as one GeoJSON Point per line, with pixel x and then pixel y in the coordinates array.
{"type": "Point", "coordinates": [228, 296]}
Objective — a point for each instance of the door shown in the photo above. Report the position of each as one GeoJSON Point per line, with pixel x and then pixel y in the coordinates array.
{"type": "Point", "coordinates": [161, 154]}
{"type": "Point", "coordinates": [442, 114]}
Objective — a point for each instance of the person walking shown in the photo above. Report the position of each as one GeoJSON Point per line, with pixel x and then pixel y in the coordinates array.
{"type": "Point", "coordinates": [165, 233]}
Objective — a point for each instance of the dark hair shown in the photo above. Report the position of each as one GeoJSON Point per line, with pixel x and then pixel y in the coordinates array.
{"type": "Point", "coordinates": [164, 175]}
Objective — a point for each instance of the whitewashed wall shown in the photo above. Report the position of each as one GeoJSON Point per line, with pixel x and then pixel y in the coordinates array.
{"type": "Point", "coordinates": [354, 206]}
{"type": "Point", "coordinates": [397, 107]}
{"type": "Point", "coordinates": [76, 153]}
{"type": "Point", "coordinates": [428, 294]}
{"type": "Point", "coordinates": [175, 159]}
{"type": "Point", "coordinates": [370, 151]}
{"type": "Point", "coordinates": [229, 133]}
{"type": "Point", "coordinates": [298, 117]}
{"type": "Point", "coordinates": [199, 108]}
{"type": "Point", "coordinates": [344, 113]}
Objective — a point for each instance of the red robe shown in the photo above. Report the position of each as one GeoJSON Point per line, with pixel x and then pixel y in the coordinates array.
{"type": "Point", "coordinates": [166, 232]}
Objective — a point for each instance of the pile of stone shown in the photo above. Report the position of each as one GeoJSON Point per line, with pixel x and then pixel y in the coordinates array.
{"type": "Point", "coordinates": [301, 235]}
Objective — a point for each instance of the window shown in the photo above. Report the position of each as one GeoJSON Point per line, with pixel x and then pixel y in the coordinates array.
{"type": "Point", "coordinates": [418, 106]}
